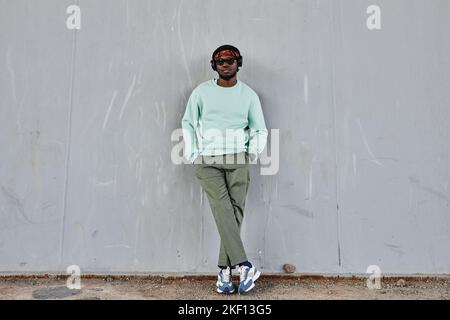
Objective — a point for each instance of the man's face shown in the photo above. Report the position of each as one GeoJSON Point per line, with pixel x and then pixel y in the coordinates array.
{"type": "Point", "coordinates": [226, 66]}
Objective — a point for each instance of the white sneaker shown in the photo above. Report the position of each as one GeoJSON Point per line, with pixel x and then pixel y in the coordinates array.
{"type": "Point", "coordinates": [224, 284]}
{"type": "Point", "coordinates": [248, 276]}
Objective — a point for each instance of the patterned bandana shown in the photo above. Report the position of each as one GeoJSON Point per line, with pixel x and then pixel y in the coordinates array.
{"type": "Point", "coordinates": [226, 53]}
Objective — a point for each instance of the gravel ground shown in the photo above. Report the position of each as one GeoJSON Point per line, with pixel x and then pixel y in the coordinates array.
{"type": "Point", "coordinates": [193, 288]}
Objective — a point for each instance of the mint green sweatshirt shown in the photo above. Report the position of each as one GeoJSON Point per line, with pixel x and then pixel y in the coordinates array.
{"type": "Point", "coordinates": [223, 120]}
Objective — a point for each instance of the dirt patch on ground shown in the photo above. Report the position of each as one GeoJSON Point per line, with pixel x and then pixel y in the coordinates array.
{"type": "Point", "coordinates": [199, 287]}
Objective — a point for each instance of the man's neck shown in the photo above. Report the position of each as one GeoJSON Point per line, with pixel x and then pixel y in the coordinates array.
{"type": "Point", "coordinates": [227, 83]}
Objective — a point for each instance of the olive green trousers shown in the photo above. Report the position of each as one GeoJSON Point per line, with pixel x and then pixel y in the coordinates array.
{"type": "Point", "coordinates": [225, 180]}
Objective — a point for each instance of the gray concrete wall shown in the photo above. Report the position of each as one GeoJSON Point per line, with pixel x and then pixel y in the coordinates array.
{"type": "Point", "coordinates": [86, 117]}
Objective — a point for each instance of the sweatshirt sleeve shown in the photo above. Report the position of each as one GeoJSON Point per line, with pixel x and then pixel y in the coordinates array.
{"type": "Point", "coordinates": [258, 130]}
{"type": "Point", "coordinates": [189, 125]}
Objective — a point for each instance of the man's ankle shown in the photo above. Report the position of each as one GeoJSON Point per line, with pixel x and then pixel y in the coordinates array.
{"type": "Point", "coordinates": [245, 263]}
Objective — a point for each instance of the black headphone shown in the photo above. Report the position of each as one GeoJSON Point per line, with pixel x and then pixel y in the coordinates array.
{"type": "Point", "coordinates": [226, 47]}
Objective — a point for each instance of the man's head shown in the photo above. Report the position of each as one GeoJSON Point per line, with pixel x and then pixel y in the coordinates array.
{"type": "Point", "coordinates": [226, 60]}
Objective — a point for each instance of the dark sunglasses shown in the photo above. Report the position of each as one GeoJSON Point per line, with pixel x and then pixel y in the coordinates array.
{"type": "Point", "coordinates": [229, 61]}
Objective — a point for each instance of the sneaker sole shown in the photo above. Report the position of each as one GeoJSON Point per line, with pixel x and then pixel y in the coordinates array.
{"type": "Point", "coordinates": [224, 292]}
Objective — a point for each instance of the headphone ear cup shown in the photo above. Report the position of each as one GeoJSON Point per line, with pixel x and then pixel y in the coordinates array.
{"type": "Point", "coordinates": [239, 61]}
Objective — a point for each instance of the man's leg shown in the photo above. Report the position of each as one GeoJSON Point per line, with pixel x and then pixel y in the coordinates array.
{"type": "Point", "coordinates": [238, 181]}
{"type": "Point", "coordinates": [212, 179]}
